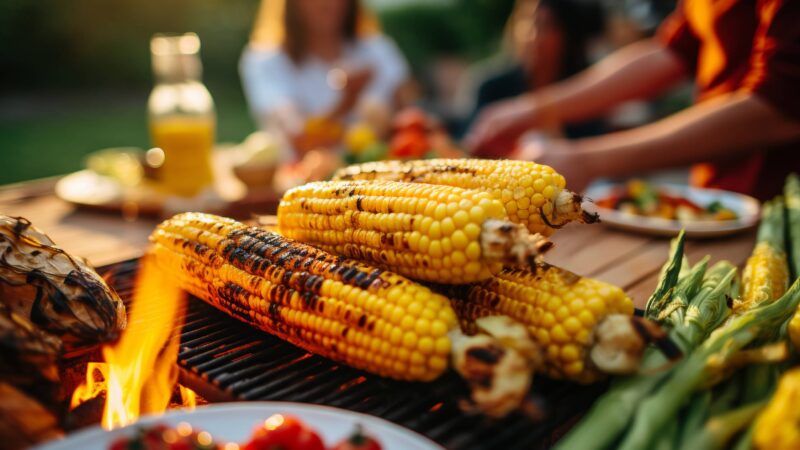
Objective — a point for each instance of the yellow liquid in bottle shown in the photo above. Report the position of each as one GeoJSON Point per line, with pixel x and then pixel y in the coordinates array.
{"type": "Point", "coordinates": [187, 144]}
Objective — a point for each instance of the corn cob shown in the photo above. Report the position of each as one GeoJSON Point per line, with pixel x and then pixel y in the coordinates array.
{"type": "Point", "coordinates": [57, 292]}
{"type": "Point", "coordinates": [342, 309]}
{"type": "Point", "coordinates": [766, 274]}
{"type": "Point", "coordinates": [792, 203]}
{"type": "Point", "coordinates": [427, 232]}
{"type": "Point", "coordinates": [581, 325]}
{"type": "Point", "coordinates": [778, 425]}
{"type": "Point", "coordinates": [347, 311]}
{"type": "Point", "coordinates": [532, 194]}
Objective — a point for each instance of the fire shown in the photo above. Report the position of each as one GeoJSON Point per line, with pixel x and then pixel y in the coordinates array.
{"type": "Point", "coordinates": [188, 397]}
{"type": "Point", "coordinates": [139, 371]}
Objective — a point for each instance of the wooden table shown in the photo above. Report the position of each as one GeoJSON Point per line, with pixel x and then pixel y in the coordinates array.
{"type": "Point", "coordinates": [627, 260]}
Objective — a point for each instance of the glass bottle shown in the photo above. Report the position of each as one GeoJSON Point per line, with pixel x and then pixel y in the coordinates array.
{"type": "Point", "coordinates": [181, 116]}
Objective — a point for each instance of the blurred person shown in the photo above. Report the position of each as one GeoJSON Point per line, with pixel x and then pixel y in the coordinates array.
{"type": "Point", "coordinates": [742, 134]}
{"type": "Point", "coordinates": [313, 65]}
{"type": "Point", "coordinates": [549, 42]}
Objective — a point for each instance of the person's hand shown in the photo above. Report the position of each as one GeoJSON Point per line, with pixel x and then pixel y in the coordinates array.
{"type": "Point", "coordinates": [499, 125]}
{"type": "Point", "coordinates": [561, 155]}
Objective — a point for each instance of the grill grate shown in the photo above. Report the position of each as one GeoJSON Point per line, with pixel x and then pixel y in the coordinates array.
{"type": "Point", "coordinates": [225, 360]}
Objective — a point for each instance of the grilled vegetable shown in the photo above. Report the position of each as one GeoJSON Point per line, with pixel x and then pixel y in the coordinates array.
{"type": "Point", "coordinates": [609, 417]}
{"type": "Point", "coordinates": [28, 356]}
{"type": "Point", "coordinates": [766, 275]}
{"type": "Point", "coordinates": [366, 317]}
{"type": "Point", "coordinates": [778, 426]}
{"type": "Point", "coordinates": [342, 309]}
{"type": "Point", "coordinates": [59, 293]}
{"type": "Point", "coordinates": [583, 326]}
{"type": "Point", "coordinates": [532, 194]}
{"type": "Point", "coordinates": [426, 232]}
{"type": "Point", "coordinates": [756, 324]}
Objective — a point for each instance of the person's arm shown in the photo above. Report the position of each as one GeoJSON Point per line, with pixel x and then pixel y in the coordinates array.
{"type": "Point", "coordinates": [722, 127]}
{"type": "Point", "coordinates": [640, 70]}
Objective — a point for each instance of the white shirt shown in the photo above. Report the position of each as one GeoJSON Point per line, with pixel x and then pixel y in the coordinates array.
{"type": "Point", "coordinates": [271, 80]}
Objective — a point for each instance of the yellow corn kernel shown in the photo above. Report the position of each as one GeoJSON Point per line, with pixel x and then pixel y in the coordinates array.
{"type": "Point", "coordinates": [434, 245]}
{"type": "Point", "coordinates": [778, 425]}
{"type": "Point", "coordinates": [527, 191]}
{"type": "Point", "coordinates": [341, 309]}
{"type": "Point", "coordinates": [543, 301]}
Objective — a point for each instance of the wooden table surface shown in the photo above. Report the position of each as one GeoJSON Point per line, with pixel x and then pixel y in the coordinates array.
{"type": "Point", "coordinates": [628, 260]}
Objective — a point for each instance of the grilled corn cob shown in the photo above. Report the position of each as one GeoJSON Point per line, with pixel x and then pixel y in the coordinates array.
{"type": "Point", "coordinates": [60, 294]}
{"type": "Point", "coordinates": [532, 194]}
{"type": "Point", "coordinates": [582, 326]}
{"type": "Point", "coordinates": [366, 317]}
{"type": "Point", "coordinates": [778, 426]}
{"type": "Point", "coordinates": [427, 232]}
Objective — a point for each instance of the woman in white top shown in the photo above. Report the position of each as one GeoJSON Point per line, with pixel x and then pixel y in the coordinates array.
{"type": "Point", "coordinates": [323, 60]}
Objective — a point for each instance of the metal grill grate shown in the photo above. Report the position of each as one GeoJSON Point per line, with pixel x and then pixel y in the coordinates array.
{"type": "Point", "coordinates": [225, 360]}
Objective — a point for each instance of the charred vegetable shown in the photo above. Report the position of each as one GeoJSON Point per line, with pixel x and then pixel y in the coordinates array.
{"type": "Point", "coordinates": [25, 350]}
{"type": "Point", "coordinates": [58, 293]}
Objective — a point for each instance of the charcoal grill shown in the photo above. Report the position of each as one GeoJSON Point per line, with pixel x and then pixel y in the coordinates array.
{"type": "Point", "coordinates": [225, 360]}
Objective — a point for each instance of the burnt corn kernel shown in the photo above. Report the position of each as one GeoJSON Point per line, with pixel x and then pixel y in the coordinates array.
{"type": "Point", "coordinates": [428, 232]}
{"type": "Point", "coordinates": [356, 314]}
{"type": "Point", "coordinates": [533, 195]}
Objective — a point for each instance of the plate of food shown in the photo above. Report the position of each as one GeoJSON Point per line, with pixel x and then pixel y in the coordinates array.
{"type": "Point", "coordinates": [251, 426]}
{"type": "Point", "coordinates": [665, 209]}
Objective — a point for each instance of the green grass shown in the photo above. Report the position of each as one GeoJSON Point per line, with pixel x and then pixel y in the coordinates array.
{"type": "Point", "coordinates": [56, 143]}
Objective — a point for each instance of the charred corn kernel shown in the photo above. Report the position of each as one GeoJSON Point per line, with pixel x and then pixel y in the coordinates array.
{"type": "Point", "coordinates": [778, 425]}
{"type": "Point", "coordinates": [543, 301]}
{"type": "Point", "coordinates": [531, 194]}
{"type": "Point", "coordinates": [334, 307]}
{"type": "Point", "coordinates": [433, 245]}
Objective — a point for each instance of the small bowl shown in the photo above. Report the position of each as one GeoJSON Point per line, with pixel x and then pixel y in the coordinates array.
{"type": "Point", "coordinates": [255, 175]}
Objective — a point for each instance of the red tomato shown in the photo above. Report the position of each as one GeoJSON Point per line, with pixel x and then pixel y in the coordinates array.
{"type": "Point", "coordinates": [286, 434]}
{"type": "Point", "coordinates": [410, 118]}
{"type": "Point", "coordinates": [408, 145]}
{"type": "Point", "coordinates": [358, 441]}
{"type": "Point", "coordinates": [119, 444]}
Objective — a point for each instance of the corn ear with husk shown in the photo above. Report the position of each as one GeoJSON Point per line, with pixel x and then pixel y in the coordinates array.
{"type": "Point", "coordinates": [611, 415]}
{"type": "Point", "coordinates": [778, 426]}
{"type": "Point", "coordinates": [55, 291]}
{"type": "Point", "coordinates": [754, 325]}
{"type": "Point", "coordinates": [766, 275]}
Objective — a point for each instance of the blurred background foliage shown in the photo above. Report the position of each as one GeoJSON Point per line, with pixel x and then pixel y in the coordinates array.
{"type": "Point", "coordinates": [75, 74]}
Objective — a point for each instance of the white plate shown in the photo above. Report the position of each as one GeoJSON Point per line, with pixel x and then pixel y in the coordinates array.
{"type": "Point", "coordinates": [233, 422]}
{"type": "Point", "coordinates": [746, 208]}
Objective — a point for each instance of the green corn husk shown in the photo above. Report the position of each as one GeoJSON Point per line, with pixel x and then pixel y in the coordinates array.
{"type": "Point", "coordinates": [668, 278]}
{"type": "Point", "coordinates": [695, 415]}
{"type": "Point", "coordinates": [655, 411]}
{"type": "Point", "coordinates": [674, 312]}
{"type": "Point", "coordinates": [791, 194]}
{"type": "Point", "coordinates": [612, 413]}
{"type": "Point", "coordinates": [745, 441]}
{"type": "Point", "coordinates": [719, 430]}
{"type": "Point", "coordinates": [668, 440]}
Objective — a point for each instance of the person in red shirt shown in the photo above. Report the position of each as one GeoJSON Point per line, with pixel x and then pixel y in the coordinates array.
{"type": "Point", "coordinates": [742, 133]}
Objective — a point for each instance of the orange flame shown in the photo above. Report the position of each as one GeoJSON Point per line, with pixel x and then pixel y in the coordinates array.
{"type": "Point", "coordinates": [188, 397]}
{"type": "Point", "coordinates": [139, 372]}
